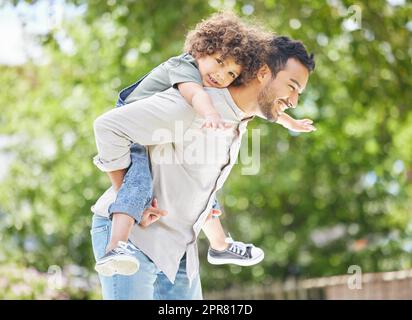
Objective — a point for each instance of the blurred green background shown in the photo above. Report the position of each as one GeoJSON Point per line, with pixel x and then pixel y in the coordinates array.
{"type": "Point", "coordinates": [321, 202]}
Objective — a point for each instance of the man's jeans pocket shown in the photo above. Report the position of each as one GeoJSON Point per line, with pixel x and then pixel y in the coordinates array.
{"type": "Point", "coordinates": [100, 233]}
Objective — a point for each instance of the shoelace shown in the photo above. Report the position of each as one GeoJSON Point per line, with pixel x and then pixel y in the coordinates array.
{"type": "Point", "coordinates": [237, 246]}
{"type": "Point", "coordinates": [123, 247]}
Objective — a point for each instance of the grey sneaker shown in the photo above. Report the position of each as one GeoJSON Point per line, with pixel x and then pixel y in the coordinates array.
{"type": "Point", "coordinates": [237, 253]}
{"type": "Point", "coordinates": [120, 260]}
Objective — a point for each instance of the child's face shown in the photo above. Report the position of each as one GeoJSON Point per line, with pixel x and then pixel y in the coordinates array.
{"type": "Point", "coordinates": [216, 72]}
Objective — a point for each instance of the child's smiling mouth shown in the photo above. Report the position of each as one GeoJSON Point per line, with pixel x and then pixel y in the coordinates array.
{"type": "Point", "coordinates": [212, 81]}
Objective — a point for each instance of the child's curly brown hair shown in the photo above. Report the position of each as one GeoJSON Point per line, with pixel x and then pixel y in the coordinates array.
{"type": "Point", "coordinates": [226, 33]}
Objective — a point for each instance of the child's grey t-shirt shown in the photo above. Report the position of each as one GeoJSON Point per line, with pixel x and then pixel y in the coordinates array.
{"type": "Point", "coordinates": [179, 69]}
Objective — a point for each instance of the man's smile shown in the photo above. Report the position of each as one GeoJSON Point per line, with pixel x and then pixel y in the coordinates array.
{"type": "Point", "coordinates": [285, 103]}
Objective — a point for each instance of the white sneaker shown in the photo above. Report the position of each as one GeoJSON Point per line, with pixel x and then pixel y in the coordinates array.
{"type": "Point", "coordinates": [120, 260]}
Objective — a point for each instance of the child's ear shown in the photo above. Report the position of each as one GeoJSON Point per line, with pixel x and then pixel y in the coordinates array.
{"type": "Point", "coordinates": [263, 73]}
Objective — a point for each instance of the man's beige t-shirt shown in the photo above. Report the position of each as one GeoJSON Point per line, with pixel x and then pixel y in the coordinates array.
{"type": "Point", "coordinates": [189, 165]}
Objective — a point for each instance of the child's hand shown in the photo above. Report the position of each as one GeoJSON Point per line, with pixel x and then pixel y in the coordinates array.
{"type": "Point", "coordinates": [304, 125]}
{"type": "Point", "coordinates": [215, 121]}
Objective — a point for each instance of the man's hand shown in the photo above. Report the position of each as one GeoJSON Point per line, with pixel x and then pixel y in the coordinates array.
{"type": "Point", "coordinates": [151, 214]}
{"type": "Point", "coordinates": [304, 125]}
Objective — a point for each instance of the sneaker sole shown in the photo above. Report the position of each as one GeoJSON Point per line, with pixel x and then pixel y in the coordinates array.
{"type": "Point", "coordinates": [122, 265]}
{"type": "Point", "coordinates": [243, 263]}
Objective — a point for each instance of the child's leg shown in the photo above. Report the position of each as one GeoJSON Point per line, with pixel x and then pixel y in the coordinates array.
{"type": "Point", "coordinates": [224, 250]}
{"type": "Point", "coordinates": [133, 198]}
{"type": "Point", "coordinates": [215, 234]}
{"type": "Point", "coordinates": [122, 226]}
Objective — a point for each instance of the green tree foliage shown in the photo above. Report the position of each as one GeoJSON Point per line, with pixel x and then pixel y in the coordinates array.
{"type": "Point", "coordinates": [321, 201]}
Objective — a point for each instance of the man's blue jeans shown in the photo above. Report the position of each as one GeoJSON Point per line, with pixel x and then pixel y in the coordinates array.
{"type": "Point", "coordinates": [149, 282]}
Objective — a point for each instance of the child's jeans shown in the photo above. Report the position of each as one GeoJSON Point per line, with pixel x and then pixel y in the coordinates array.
{"type": "Point", "coordinates": [136, 192]}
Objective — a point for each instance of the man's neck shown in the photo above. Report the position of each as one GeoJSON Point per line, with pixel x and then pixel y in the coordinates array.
{"type": "Point", "coordinates": [245, 98]}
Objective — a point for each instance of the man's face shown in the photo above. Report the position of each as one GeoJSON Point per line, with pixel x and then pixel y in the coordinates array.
{"type": "Point", "coordinates": [283, 91]}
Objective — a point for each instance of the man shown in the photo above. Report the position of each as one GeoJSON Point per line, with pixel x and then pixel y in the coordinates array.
{"type": "Point", "coordinates": [184, 181]}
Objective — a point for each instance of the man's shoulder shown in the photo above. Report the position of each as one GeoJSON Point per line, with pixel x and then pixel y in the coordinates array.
{"type": "Point", "coordinates": [220, 95]}
{"type": "Point", "coordinates": [171, 101]}
{"type": "Point", "coordinates": [217, 93]}
{"type": "Point", "coordinates": [223, 101]}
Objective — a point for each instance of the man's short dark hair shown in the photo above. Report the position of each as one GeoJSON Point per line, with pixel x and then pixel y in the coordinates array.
{"type": "Point", "coordinates": [282, 49]}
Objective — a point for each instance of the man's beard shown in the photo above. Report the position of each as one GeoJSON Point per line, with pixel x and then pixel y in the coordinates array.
{"type": "Point", "coordinates": [265, 101]}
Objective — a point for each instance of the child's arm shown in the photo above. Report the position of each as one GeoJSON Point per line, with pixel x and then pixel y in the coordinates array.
{"type": "Point", "coordinates": [195, 95]}
{"type": "Point", "coordinates": [304, 125]}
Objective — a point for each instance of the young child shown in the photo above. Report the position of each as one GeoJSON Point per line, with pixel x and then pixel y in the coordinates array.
{"type": "Point", "coordinates": [220, 50]}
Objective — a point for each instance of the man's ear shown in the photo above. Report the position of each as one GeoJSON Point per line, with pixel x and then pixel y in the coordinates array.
{"type": "Point", "coordinates": [263, 73]}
